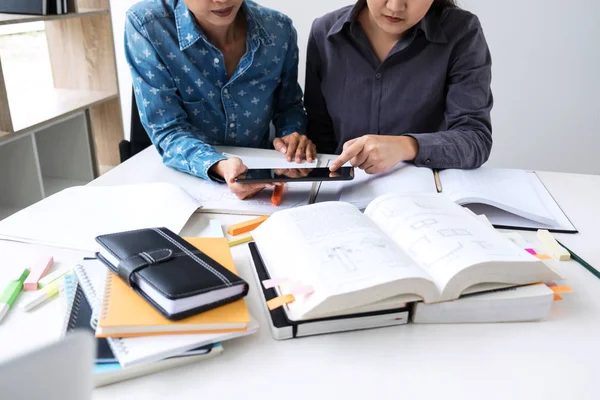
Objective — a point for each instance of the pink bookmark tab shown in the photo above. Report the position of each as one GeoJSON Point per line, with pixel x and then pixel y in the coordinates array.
{"type": "Point", "coordinates": [271, 283]}
{"type": "Point", "coordinates": [37, 272]}
{"type": "Point", "coordinates": [531, 251]}
{"type": "Point", "coordinates": [298, 290]}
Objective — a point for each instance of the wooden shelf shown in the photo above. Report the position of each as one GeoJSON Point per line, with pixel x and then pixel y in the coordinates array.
{"type": "Point", "coordinates": [6, 19]}
{"type": "Point", "coordinates": [34, 108]}
{"type": "Point", "coordinates": [55, 185]}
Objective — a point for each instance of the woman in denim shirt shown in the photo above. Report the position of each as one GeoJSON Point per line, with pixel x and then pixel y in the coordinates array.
{"type": "Point", "coordinates": [400, 80]}
{"type": "Point", "coordinates": [216, 72]}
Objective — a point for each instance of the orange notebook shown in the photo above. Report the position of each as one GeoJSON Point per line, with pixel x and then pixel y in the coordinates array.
{"type": "Point", "coordinates": [124, 313]}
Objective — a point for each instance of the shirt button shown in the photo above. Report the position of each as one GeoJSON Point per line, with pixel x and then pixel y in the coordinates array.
{"type": "Point", "coordinates": [232, 125]}
{"type": "Point", "coordinates": [216, 60]}
{"type": "Point", "coordinates": [427, 162]}
{"type": "Point", "coordinates": [225, 91]}
{"type": "Point", "coordinates": [378, 75]}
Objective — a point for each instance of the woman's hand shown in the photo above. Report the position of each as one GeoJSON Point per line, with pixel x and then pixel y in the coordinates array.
{"type": "Point", "coordinates": [230, 169]}
{"type": "Point", "coordinates": [296, 146]}
{"type": "Point", "coordinates": [377, 153]}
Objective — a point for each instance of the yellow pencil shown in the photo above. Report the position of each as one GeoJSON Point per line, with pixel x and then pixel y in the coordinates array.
{"type": "Point", "coordinates": [243, 240]}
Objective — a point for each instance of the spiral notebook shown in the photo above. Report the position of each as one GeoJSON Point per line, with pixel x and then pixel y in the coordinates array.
{"type": "Point", "coordinates": [80, 318]}
{"type": "Point", "coordinates": [91, 274]}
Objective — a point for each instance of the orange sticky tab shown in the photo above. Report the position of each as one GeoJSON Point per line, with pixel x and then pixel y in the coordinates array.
{"type": "Point", "coordinates": [277, 195]}
{"type": "Point", "coordinates": [543, 257]}
{"type": "Point", "coordinates": [557, 297]}
{"type": "Point", "coordinates": [243, 227]}
{"type": "Point", "coordinates": [279, 301]}
{"type": "Point", "coordinates": [562, 289]}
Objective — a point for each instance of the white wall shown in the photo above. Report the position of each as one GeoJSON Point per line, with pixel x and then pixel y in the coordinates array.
{"type": "Point", "coordinates": [546, 76]}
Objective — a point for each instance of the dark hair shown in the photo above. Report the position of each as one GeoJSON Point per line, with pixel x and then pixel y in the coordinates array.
{"type": "Point", "coordinates": [445, 4]}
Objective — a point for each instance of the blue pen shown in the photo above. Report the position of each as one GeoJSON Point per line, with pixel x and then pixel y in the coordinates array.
{"type": "Point", "coordinates": [11, 293]}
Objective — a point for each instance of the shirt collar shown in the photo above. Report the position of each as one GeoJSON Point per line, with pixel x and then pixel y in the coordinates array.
{"type": "Point", "coordinates": [430, 24]}
{"type": "Point", "coordinates": [188, 30]}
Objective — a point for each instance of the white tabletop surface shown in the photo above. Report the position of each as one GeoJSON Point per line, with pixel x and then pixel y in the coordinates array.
{"type": "Point", "coordinates": [553, 359]}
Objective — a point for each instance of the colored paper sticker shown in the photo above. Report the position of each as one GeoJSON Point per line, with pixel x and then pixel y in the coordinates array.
{"type": "Point", "coordinates": [543, 257]}
{"type": "Point", "coordinates": [280, 301]}
{"type": "Point", "coordinates": [557, 297]}
{"type": "Point", "coordinates": [531, 251]}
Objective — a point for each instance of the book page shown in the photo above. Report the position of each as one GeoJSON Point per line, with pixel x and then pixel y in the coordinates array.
{"type": "Point", "coordinates": [402, 179]}
{"type": "Point", "coordinates": [507, 189]}
{"type": "Point", "coordinates": [442, 237]}
{"type": "Point", "coordinates": [72, 218]}
{"type": "Point", "coordinates": [334, 248]}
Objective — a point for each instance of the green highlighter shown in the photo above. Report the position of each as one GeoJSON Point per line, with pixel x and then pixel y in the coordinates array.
{"type": "Point", "coordinates": [11, 293]}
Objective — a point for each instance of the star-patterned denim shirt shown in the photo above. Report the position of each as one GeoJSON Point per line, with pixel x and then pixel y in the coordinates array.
{"type": "Point", "coordinates": [186, 102]}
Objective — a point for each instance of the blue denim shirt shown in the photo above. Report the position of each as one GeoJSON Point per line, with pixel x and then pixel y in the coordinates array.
{"type": "Point", "coordinates": [185, 100]}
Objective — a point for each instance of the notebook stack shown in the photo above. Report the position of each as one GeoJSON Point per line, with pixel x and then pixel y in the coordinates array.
{"type": "Point", "coordinates": [167, 312]}
{"type": "Point", "coordinates": [415, 258]}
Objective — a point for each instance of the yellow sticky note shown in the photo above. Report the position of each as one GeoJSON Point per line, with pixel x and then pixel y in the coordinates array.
{"type": "Point", "coordinates": [543, 257]}
{"type": "Point", "coordinates": [279, 301]}
{"type": "Point", "coordinates": [552, 246]}
{"type": "Point", "coordinates": [243, 240]}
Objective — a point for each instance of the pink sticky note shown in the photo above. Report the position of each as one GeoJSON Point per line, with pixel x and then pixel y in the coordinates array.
{"type": "Point", "coordinates": [531, 251]}
{"type": "Point", "coordinates": [271, 283]}
{"type": "Point", "coordinates": [298, 290]}
{"type": "Point", "coordinates": [37, 272]}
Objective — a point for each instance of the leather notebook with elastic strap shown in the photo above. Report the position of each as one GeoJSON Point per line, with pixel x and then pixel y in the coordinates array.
{"type": "Point", "coordinates": [173, 276]}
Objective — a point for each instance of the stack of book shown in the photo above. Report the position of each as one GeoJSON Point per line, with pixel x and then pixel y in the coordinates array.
{"type": "Point", "coordinates": [417, 258]}
{"type": "Point", "coordinates": [141, 323]}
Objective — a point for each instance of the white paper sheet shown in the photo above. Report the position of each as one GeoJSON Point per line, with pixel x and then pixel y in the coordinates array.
{"type": "Point", "coordinates": [73, 217]}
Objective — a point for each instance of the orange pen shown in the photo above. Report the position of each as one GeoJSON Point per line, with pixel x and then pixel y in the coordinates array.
{"type": "Point", "coordinates": [277, 194]}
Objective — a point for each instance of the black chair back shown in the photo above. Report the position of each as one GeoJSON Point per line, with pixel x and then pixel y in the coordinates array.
{"type": "Point", "coordinates": [138, 139]}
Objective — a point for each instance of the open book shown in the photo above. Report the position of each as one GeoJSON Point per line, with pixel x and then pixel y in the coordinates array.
{"type": "Point", "coordinates": [510, 198]}
{"type": "Point", "coordinates": [403, 248]}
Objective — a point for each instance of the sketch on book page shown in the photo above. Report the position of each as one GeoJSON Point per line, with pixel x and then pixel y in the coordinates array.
{"type": "Point", "coordinates": [437, 235]}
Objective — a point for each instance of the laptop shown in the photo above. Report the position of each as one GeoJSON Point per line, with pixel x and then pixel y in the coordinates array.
{"type": "Point", "coordinates": [60, 370]}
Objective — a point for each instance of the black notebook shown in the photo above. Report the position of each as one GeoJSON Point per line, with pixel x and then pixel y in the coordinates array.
{"type": "Point", "coordinates": [283, 328]}
{"type": "Point", "coordinates": [80, 317]}
{"type": "Point", "coordinates": [173, 276]}
{"type": "Point", "coordinates": [35, 7]}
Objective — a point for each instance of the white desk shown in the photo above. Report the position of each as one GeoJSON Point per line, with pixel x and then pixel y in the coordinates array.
{"type": "Point", "coordinates": [554, 359]}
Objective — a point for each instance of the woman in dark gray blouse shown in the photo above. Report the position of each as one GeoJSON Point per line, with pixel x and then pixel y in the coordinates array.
{"type": "Point", "coordinates": [400, 80]}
